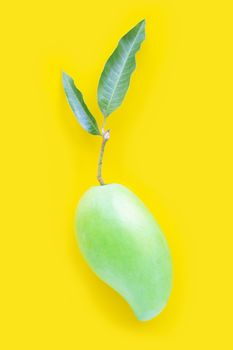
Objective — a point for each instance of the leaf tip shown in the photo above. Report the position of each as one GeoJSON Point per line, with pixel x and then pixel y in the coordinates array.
{"type": "Point", "coordinates": [142, 23]}
{"type": "Point", "coordinates": [65, 77]}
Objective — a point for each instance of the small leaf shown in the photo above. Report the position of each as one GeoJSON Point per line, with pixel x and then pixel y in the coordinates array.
{"type": "Point", "coordinates": [78, 106]}
{"type": "Point", "coordinates": [115, 78]}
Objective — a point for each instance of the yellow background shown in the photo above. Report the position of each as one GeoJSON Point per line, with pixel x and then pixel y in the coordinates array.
{"type": "Point", "coordinates": [171, 143]}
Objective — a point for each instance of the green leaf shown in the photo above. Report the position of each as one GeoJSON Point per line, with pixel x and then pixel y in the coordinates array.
{"type": "Point", "coordinates": [115, 78]}
{"type": "Point", "coordinates": [78, 106]}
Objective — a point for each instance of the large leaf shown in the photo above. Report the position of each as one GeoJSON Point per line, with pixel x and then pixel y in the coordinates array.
{"type": "Point", "coordinates": [78, 106]}
{"type": "Point", "coordinates": [115, 78]}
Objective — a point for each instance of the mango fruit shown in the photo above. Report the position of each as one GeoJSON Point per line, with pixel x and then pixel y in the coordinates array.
{"type": "Point", "coordinates": [125, 247]}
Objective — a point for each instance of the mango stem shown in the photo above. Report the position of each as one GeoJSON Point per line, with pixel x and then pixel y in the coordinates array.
{"type": "Point", "coordinates": [105, 138]}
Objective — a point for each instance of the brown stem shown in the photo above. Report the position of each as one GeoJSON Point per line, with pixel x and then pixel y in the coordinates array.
{"type": "Point", "coordinates": [106, 136]}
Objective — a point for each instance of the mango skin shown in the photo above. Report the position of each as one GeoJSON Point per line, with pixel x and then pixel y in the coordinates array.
{"type": "Point", "coordinates": [125, 247]}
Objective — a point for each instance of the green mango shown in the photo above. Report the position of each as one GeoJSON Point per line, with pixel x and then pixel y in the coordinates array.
{"type": "Point", "coordinates": [124, 246]}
